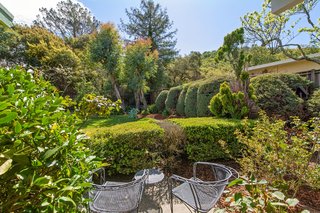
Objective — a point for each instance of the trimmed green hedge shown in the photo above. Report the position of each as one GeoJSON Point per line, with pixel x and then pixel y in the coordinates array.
{"type": "Point", "coordinates": [180, 103]}
{"type": "Point", "coordinates": [206, 91]}
{"type": "Point", "coordinates": [203, 136]}
{"type": "Point", "coordinates": [127, 147]}
{"type": "Point", "coordinates": [172, 98]}
{"type": "Point", "coordinates": [190, 102]}
{"type": "Point", "coordinates": [161, 100]}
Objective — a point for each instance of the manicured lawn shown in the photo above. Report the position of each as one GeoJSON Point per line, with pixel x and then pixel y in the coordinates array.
{"type": "Point", "coordinates": [204, 121]}
{"type": "Point", "coordinates": [119, 124]}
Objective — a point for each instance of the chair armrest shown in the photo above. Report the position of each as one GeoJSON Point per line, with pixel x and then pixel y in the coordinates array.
{"type": "Point", "coordinates": [234, 172]}
{"type": "Point", "coordinates": [178, 178]}
{"type": "Point", "coordinates": [202, 163]}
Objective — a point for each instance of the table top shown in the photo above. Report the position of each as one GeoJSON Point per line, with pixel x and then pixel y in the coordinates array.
{"type": "Point", "coordinates": [155, 176]}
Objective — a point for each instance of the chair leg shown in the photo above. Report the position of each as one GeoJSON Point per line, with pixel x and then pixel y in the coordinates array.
{"type": "Point", "coordinates": [171, 202]}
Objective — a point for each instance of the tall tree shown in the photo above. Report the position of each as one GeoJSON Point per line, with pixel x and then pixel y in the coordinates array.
{"type": "Point", "coordinates": [69, 19]}
{"type": "Point", "coordinates": [185, 69]}
{"type": "Point", "coordinates": [232, 51]}
{"type": "Point", "coordinates": [278, 32]}
{"type": "Point", "coordinates": [140, 65]}
{"type": "Point", "coordinates": [150, 21]}
{"type": "Point", "coordinates": [106, 49]}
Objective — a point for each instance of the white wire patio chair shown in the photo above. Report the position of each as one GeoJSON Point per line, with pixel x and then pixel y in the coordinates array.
{"type": "Point", "coordinates": [199, 195]}
{"type": "Point", "coordinates": [112, 197]}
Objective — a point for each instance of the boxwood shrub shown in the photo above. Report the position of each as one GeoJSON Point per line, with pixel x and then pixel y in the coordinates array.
{"type": "Point", "coordinates": [181, 99]}
{"type": "Point", "coordinates": [172, 98]}
{"type": "Point", "coordinates": [160, 100]}
{"type": "Point", "coordinates": [190, 102]}
{"type": "Point", "coordinates": [204, 136]}
{"type": "Point", "coordinates": [206, 91]}
{"type": "Point", "coordinates": [127, 147]}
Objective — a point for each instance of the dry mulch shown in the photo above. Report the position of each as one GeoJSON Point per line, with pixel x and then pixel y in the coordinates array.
{"type": "Point", "coordinates": [158, 116]}
{"type": "Point", "coordinates": [154, 116]}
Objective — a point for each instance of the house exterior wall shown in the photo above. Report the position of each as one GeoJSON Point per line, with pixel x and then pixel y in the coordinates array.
{"type": "Point", "coordinates": [6, 17]}
{"type": "Point", "coordinates": [308, 69]}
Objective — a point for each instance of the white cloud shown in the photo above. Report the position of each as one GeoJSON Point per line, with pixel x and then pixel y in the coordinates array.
{"type": "Point", "coordinates": [25, 11]}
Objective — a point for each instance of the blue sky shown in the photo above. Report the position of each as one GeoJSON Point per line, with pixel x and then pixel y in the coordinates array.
{"type": "Point", "coordinates": [201, 24]}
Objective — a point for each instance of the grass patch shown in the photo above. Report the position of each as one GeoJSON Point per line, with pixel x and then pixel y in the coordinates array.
{"type": "Point", "coordinates": [108, 122]}
{"type": "Point", "coordinates": [117, 123]}
{"type": "Point", "coordinates": [203, 121]}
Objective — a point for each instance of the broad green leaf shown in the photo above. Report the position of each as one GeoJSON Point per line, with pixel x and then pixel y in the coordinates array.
{"type": "Point", "coordinates": [45, 203]}
{"type": "Point", "coordinates": [292, 201]}
{"type": "Point", "coordinates": [69, 188]}
{"type": "Point", "coordinates": [263, 182]}
{"type": "Point", "coordinates": [42, 180]}
{"type": "Point", "coordinates": [278, 195]}
{"type": "Point", "coordinates": [51, 152]}
{"type": "Point", "coordinates": [17, 127]}
{"type": "Point", "coordinates": [235, 182]}
{"type": "Point", "coordinates": [278, 204]}
{"type": "Point", "coordinates": [10, 89]}
{"type": "Point", "coordinates": [4, 105]}
{"type": "Point", "coordinates": [86, 184]}
{"type": "Point", "coordinates": [5, 166]}
{"type": "Point", "coordinates": [67, 199]}
{"type": "Point", "coordinates": [9, 117]}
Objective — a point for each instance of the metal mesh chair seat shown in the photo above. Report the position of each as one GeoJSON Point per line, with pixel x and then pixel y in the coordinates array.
{"type": "Point", "coordinates": [208, 195]}
{"type": "Point", "coordinates": [198, 194]}
{"type": "Point", "coordinates": [117, 196]}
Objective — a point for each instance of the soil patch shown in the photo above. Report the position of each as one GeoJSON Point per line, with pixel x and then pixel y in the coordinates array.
{"type": "Point", "coordinates": [159, 116]}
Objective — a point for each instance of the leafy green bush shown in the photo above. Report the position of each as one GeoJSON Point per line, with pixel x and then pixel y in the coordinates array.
{"type": "Point", "coordinates": [281, 156]}
{"type": "Point", "coordinates": [190, 102]}
{"type": "Point", "coordinates": [314, 104]}
{"type": "Point", "coordinates": [205, 93]}
{"type": "Point", "coordinates": [43, 159]}
{"type": "Point", "coordinates": [92, 105]}
{"type": "Point", "coordinates": [128, 147]}
{"type": "Point", "coordinates": [160, 100]}
{"type": "Point", "coordinates": [293, 81]}
{"type": "Point", "coordinates": [181, 99]}
{"type": "Point", "coordinates": [133, 113]}
{"type": "Point", "coordinates": [228, 104]}
{"type": "Point", "coordinates": [172, 98]}
{"type": "Point", "coordinates": [152, 109]}
{"type": "Point", "coordinates": [205, 136]}
{"type": "Point", "coordinates": [258, 196]}
{"type": "Point", "coordinates": [275, 97]}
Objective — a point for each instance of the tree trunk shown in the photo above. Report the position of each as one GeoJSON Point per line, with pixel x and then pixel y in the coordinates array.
{"type": "Point", "coordinates": [143, 99]}
{"type": "Point", "coordinates": [116, 91]}
{"type": "Point", "coordinates": [137, 99]}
